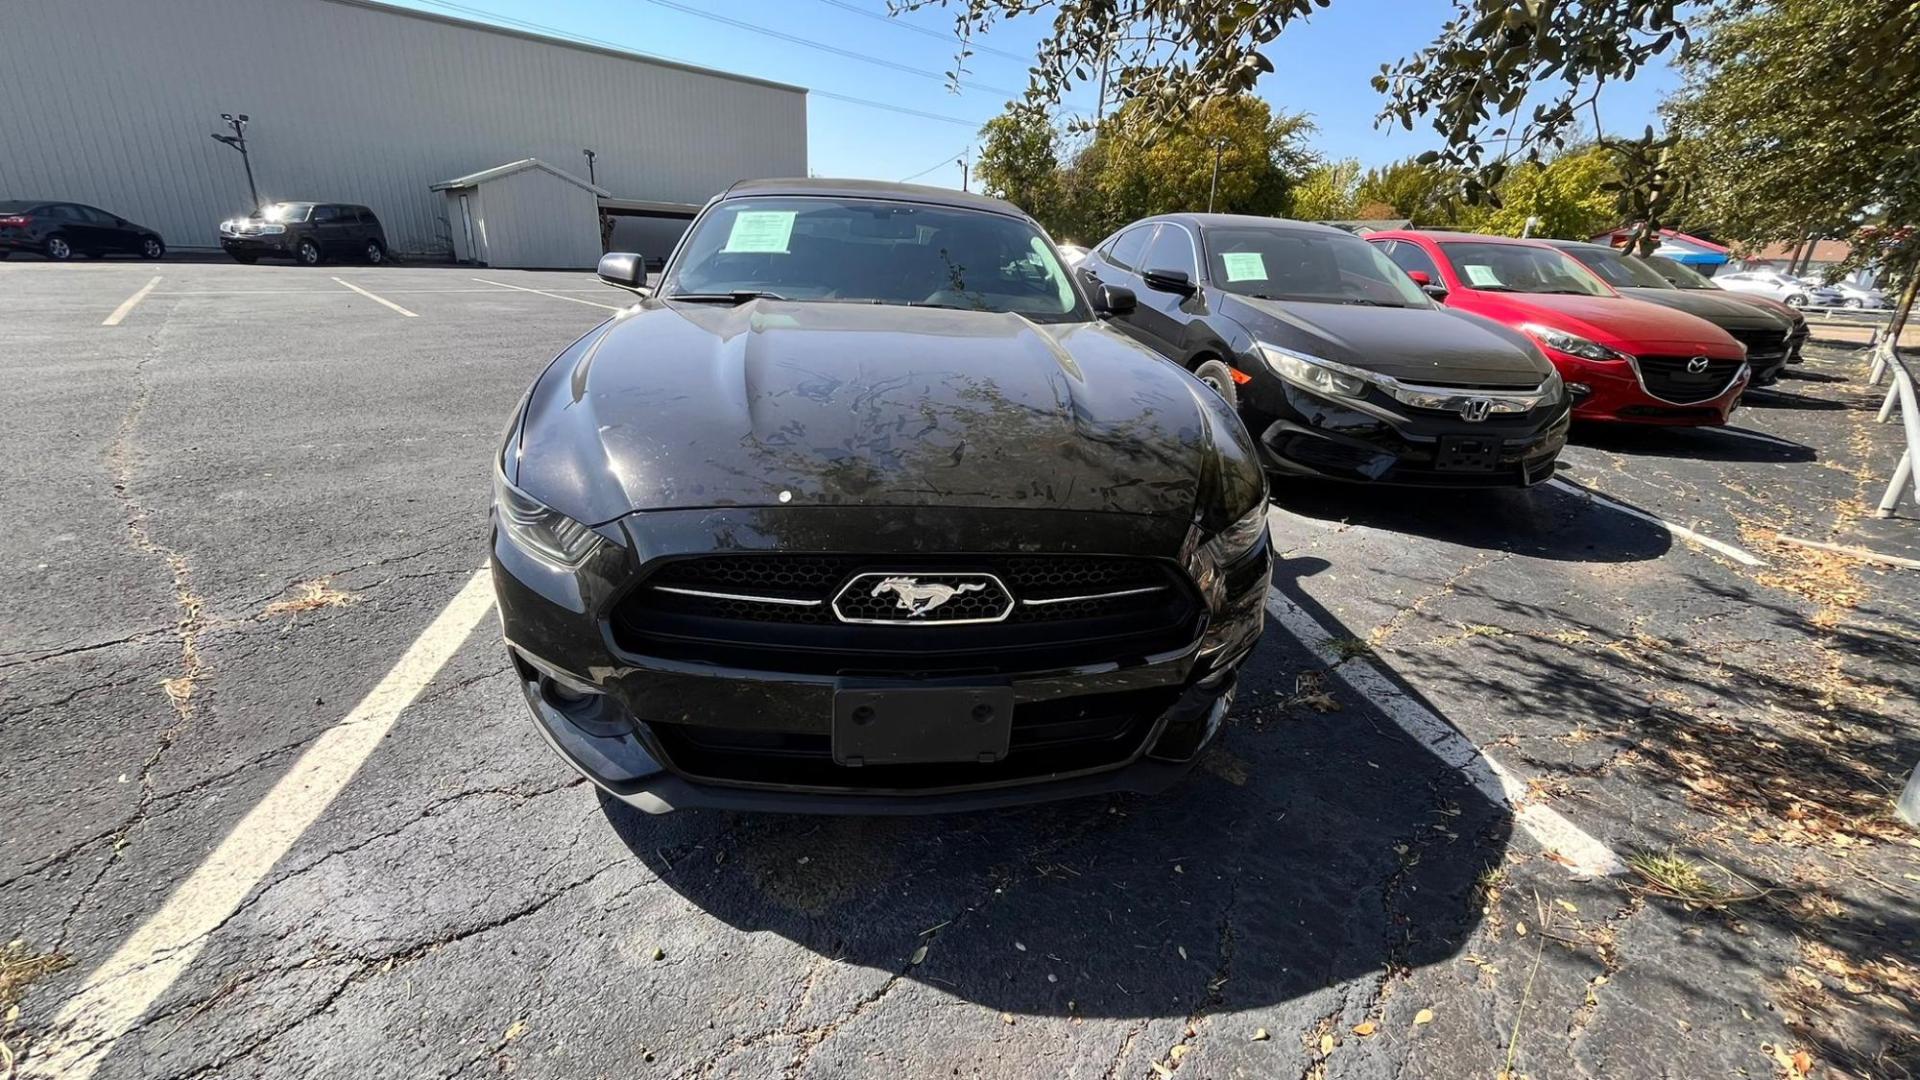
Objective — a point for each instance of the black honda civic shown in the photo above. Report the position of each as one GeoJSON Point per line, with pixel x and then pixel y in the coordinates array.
{"type": "Point", "coordinates": [1341, 366]}
{"type": "Point", "coordinates": [864, 508]}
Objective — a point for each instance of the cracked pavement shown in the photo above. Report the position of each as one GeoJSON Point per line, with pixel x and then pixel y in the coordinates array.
{"type": "Point", "coordinates": [236, 510]}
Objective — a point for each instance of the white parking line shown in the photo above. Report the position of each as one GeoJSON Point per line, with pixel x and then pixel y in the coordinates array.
{"type": "Point", "coordinates": [378, 300]}
{"type": "Point", "coordinates": [1575, 849]}
{"type": "Point", "coordinates": [1739, 555]}
{"type": "Point", "coordinates": [115, 995]}
{"type": "Point", "coordinates": [555, 295]}
{"type": "Point", "coordinates": [126, 306]}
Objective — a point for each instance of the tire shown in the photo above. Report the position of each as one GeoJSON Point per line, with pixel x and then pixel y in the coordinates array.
{"type": "Point", "coordinates": [152, 248]}
{"type": "Point", "coordinates": [1797, 300]}
{"type": "Point", "coordinates": [308, 253]}
{"type": "Point", "coordinates": [1219, 377]}
{"type": "Point", "coordinates": [247, 259]}
{"type": "Point", "coordinates": [375, 252]}
{"type": "Point", "coordinates": [58, 249]}
{"type": "Point", "coordinates": [1853, 302]}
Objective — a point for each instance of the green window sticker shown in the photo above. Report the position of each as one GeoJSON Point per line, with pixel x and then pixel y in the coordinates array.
{"type": "Point", "coordinates": [1481, 275]}
{"type": "Point", "coordinates": [1244, 266]}
{"type": "Point", "coordinates": [761, 230]}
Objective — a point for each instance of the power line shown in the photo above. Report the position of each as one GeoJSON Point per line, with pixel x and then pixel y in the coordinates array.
{"type": "Point", "coordinates": [950, 39]}
{"type": "Point", "coordinates": [835, 50]}
{"type": "Point", "coordinates": [483, 15]}
{"type": "Point", "coordinates": [941, 164]}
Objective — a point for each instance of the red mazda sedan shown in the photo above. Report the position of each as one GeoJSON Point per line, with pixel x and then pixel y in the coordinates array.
{"type": "Point", "coordinates": [1624, 360]}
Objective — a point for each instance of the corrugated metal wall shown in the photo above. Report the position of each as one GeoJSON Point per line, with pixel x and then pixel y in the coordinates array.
{"type": "Point", "coordinates": [111, 102]}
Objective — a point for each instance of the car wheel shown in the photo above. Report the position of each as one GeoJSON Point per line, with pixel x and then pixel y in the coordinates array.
{"type": "Point", "coordinates": [152, 248]}
{"type": "Point", "coordinates": [376, 254]}
{"type": "Point", "coordinates": [58, 249]}
{"type": "Point", "coordinates": [1853, 302]}
{"type": "Point", "coordinates": [248, 259]}
{"type": "Point", "coordinates": [309, 252]}
{"type": "Point", "coordinates": [1220, 377]}
{"type": "Point", "coordinates": [1796, 300]}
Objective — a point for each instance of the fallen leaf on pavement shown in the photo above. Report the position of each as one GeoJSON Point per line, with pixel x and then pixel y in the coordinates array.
{"type": "Point", "coordinates": [1260, 1035]}
{"type": "Point", "coordinates": [919, 954]}
{"type": "Point", "coordinates": [1424, 1016]}
{"type": "Point", "coordinates": [1365, 1029]}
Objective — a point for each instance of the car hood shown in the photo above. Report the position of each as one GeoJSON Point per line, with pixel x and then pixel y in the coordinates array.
{"type": "Point", "coordinates": [1767, 304]}
{"type": "Point", "coordinates": [1721, 310]}
{"type": "Point", "coordinates": [1633, 326]}
{"type": "Point", "coordinates": [774, 403]}
{"type": "Point", "coordinates": [1431, 345]}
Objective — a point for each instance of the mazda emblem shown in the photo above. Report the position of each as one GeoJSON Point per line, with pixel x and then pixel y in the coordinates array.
{"type": "Point", "coordinates": [1698, 364]}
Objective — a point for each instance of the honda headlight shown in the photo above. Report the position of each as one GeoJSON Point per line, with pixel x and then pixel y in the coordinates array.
{"type": "Point", "coordinates": [1555, 388]}
{"type": "Point", "coordinates": [1314, 373]}
{"type": "Point", "coordinates": [540, 529]}
{"type": "Point", "coordinates": [1232, 543]}
{"type": "Point", "coordinates": [1572, 344]}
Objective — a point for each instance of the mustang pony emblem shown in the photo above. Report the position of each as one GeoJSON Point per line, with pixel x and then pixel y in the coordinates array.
{"type": "Point", "coordinates": [917, 599]}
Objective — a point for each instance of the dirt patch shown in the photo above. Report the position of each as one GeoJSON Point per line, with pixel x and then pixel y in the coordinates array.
{"type": "Point", "coordinates": [314, 595]}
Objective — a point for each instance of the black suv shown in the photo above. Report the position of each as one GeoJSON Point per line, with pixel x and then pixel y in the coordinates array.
{"type": "Point", "coordinates": [61, 230]}
{"type": "Point", "coordinates": [306, 232]}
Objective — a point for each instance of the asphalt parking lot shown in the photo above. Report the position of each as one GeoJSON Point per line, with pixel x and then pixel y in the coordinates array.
{"type": "Point", "coordinates": [273, 806]}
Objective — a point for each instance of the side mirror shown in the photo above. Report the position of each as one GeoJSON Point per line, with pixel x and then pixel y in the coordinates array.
{"type": "Point", "coordinates": [624, 270]}
{"type": "Point", "coordinates": [1114, 300]}
{"type": "Point", "coordinates": [1420, 278]}
{"type": "Point", "coordinates": [1438, 292]}
{"type": "Point", "coordinates": [1173, 281]}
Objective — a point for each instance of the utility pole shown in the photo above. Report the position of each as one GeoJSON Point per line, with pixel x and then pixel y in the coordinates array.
{"type": "Point", "coordinates": [962, 162]}
{"type": "Point", "coordinates": [238, 140]}
{"type": "Point", "coordinates": [1214, 185]}
{"type": "Point", "coordinates": [590, 178]}
{"type": "Point", "coordinates": [1526, 230]}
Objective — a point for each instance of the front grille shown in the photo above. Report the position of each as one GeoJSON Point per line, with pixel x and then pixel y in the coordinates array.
{"type": "Point", "coordinates": [1764, 347]}
{"type": "Point", "coordinates": [779, 612]}
{"type": "Point", "coordinates": [1667, 378]}
{"type": "Point", "coordinates": [1077, 734]}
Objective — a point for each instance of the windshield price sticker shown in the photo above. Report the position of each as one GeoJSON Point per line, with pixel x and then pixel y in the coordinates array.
{"type": "Point", "coordinates": [761, 231]}
{"type": "Point", "coordinates": [1481, 275]}
{"type": "Point", "coordinates": [1244, 266]}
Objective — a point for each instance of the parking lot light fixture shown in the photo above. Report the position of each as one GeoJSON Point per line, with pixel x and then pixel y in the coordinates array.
{"type": "Point", "coordinates": [238, 140]}
{"type": "Point", "coordinates": [590, 155]}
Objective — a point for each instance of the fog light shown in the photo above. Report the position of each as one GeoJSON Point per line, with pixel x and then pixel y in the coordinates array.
{"type": "Point", "coordinates": [1579, 390]}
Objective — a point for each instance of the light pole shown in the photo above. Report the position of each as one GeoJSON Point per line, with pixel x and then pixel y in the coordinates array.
{"type": "Point", "coordinates": [1214, 184]}
{"type": "Point", "coordinates": [238, 140]}
{"type": "Point", "coordinates": [1526, 230]}
{"type": "Point", "coordinates": [590, 178]}
{"type": "Point", "coordinates": [962, 162]}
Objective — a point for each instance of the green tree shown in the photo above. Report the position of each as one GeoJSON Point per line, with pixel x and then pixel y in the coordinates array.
{"type": "Point", "coordinates": [1019, 160]}
{"type": "Point", "coordinates": [1425, 194]}
{"type": "Point", "coordinates": [1570, 195]}
{"type": "Point", "coordinates": [1329, 192]}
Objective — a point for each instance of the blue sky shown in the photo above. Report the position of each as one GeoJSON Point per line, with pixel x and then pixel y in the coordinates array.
{"type": "Point", "coordinates": [1323, 67]}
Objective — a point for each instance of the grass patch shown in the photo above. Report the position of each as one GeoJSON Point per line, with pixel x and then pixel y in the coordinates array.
{"type": "Point", "coordinates": [19, 967]}
{"type": "Point", "coordinates": [1672, 876]}
{"type": "Point", "coordinates": [1346, 648]}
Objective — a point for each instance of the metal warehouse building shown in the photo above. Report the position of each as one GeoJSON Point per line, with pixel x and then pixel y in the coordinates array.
{"type": "Point", "coordinates": [111, 102]}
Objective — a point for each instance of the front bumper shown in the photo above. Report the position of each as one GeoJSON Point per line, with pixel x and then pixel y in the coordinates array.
{"type": "Point", "coordinates": [1307, 434]}
{"type": "Point", "coordinates": [254, 245]}
{"type": "Point", "coordinates": [665, 732]}
{"type": "Point", "coordinates": [1617, 393]}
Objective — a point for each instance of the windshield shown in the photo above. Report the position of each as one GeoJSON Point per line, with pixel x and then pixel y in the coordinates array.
{"type": "Point", "coordinates": [1618, 270]}
{"type": "Point", "coordinates": [287, 211]}
{"type": "Point", "coordinates": [1680, 274]}
{"type": "Point", "coordinates": [1298, 264]}
{"type": "Point", "coordinates": [875, 252]}
{"type": "Point", "coordinates": [1521, 268]}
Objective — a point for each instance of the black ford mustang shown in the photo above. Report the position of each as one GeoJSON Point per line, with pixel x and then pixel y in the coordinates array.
{"type": "Point", "coordinates": [865, 509]}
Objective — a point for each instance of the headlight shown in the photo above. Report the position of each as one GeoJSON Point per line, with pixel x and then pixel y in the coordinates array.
{"type": "Point", "coordinates": [1237, 539]}
{"type": "Point", "coordinates": [1572, 344]}
{"type": "Point", "coordinates": [1555, 388]}
{"type": "Point", "coordinates": [1314, 373]}
{"type": "Point", "coordinates": [540, 529]}
{"type": "Point", "coordinates": [272, 230]}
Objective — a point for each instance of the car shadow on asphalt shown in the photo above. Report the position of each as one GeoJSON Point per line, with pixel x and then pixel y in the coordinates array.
{"type": "Point", "coordinates": [1542, 522]}
{"type": "Point", "coordinates": [1307, 848]}
{"type": "Point", "coordinates": [1694, 443]}
{"type": "Point", "coordinates": [1775, 398]}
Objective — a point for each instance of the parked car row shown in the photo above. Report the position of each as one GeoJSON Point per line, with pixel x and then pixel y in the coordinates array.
{"type": "Point", "coordinates": [305, 232]}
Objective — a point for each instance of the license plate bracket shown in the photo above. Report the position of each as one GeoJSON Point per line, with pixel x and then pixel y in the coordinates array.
{"type": "Point", "coordinates": [1467, 453]}
{"type": "Point", "coordinates": [882, 724]}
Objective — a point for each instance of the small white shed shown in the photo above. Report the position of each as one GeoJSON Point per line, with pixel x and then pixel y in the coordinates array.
{"type": "Point", "coordinates": [524, 214]}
